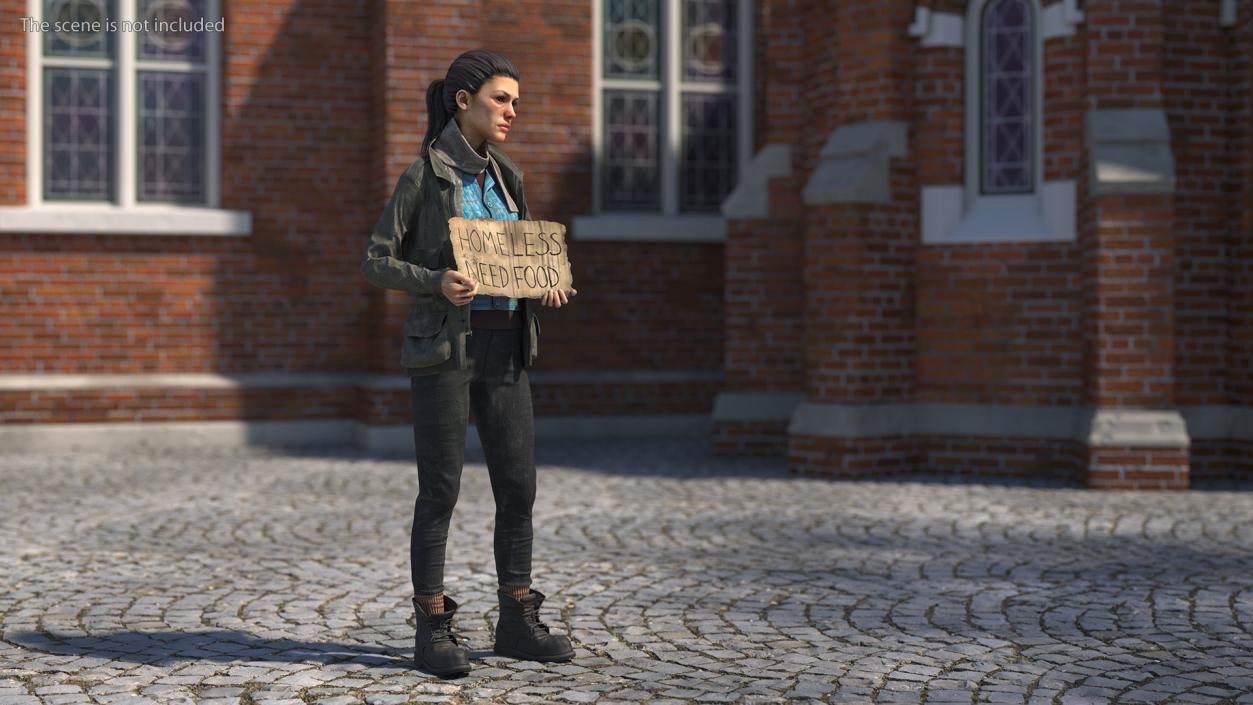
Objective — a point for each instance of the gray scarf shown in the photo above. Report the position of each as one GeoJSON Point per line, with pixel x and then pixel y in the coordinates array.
{"type": "Point", "coordinates": [451, 147]}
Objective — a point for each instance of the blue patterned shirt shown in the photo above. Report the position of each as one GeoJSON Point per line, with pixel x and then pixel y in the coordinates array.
{"type": "Point", "coordinates": [474, 205]}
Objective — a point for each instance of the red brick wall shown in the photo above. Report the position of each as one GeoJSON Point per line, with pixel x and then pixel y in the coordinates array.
{"type": "Point", "coordinates": [859, 257]}
{"type": "Point", "coordinates": [1124, 59]}
{"type": "Point", "coordinates": [1237, 457]}
{"type": "Point", "coordinates": [781, 71]}
{"type": "Point", "coordinates": [1130, 257]}
{"type": "Point", "coordinates": [940, 110]}
{"type": "Point", "coordinates": [1130, 271]}
{"type": "Point", "coordinates": [644, 305]}
{"type": "Point", "coordinates": [1011, 457]}
{"type": "Point", "coordinates": [816, 77]}
{"type": "Point", "coordinates": [147, 404]}
{"type": "Point", "coordinates": [1064, 78]}
{"type": "Point", "coordinates": [1240, 366]}
{"type": "Point", "coordinates": [1198, 73]}
{"type": "Point", "coordinates": [764, 315]}
{"type": "Point", "coordinates": [12, 103]}
{"type": "Point", "coordinates": [998, 322]}
{"type": "Point", "coordinates": [765, 299]}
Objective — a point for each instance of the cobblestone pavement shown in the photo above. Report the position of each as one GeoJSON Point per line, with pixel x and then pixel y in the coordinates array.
{"type": "Point", "coordinates": [238, 577]}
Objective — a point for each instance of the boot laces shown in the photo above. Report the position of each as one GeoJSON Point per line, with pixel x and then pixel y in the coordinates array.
{"type": "Point", "coordinates": [530, 614]}
{"type": "Point", "coordinates": [442, 631]}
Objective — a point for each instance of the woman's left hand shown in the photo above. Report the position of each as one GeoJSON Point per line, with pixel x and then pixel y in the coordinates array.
{"type": "Point", "coordinates": [557, 297]}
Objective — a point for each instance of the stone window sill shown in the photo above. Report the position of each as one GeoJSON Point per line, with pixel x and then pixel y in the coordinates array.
{"type": "Point", "coordinates": [93, 219]}
{"type": "Point", "coordinates": [647, 227]}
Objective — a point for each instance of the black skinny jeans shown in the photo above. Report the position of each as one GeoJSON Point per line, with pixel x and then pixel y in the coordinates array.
{"type": "Point", "coordinates": [495, 385]}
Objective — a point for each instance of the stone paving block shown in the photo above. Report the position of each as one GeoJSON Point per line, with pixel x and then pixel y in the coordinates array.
{"type": "Point", "coordinates": [949, 696]}
{"type": "Point", "coordinates": [633, 694]}
{"type": "Point", "coordinates": [1005, 698]}
{"type": "Point", "coordinates": [715, 698]}
{"type": "Point", "coordinates": [578, 696]}
{"type": "Point", "coordinates": [810, 689]}
{"type": "Point", "coordinates": [132, 699]}
{"type": "Point", "coordinates": [69, 699]}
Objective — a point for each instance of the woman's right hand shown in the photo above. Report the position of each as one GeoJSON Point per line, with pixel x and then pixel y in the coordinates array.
{"type": "Point", "coordinates": [458, 288]}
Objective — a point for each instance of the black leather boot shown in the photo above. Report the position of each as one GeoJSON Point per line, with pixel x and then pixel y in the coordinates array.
{"type": "Point", "coordinates": [520, 634]}
{"type": "Point", "coordinates": [435, 645]}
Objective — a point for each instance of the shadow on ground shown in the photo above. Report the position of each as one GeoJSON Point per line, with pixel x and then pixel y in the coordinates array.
{"type": "Point", "coordinates": [684, 457]}
{"type": "Point", "coordinates": [165, 648]}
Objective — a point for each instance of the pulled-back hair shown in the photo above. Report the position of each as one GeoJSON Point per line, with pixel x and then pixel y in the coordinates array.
{"type": "Point", "coordinates": [468, 72]}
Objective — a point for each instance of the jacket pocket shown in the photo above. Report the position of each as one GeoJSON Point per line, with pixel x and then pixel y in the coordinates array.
{"type": "Point", "coordinates": [426, 340]}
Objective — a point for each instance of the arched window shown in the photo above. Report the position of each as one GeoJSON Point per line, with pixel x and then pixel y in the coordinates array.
{"type": "Point", "coordinates": [1008, 132]}
{"type": "Point", "coordinates": [1003, 196]}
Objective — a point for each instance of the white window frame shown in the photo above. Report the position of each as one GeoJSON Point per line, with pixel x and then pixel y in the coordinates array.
{"type": "Point", "coordinates": [960, 213]}
{"type": "Point", "coordinates": [126, 215]}
{"type": "Point", "coordinates": [668, 225]}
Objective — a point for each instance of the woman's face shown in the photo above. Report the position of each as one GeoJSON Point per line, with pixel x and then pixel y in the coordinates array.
{"type": "Point", "coordinates": [488, 114]}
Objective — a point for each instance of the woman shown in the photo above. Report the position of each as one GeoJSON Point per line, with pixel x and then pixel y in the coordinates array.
{"type": "Point", "coordinates": [463, 350]}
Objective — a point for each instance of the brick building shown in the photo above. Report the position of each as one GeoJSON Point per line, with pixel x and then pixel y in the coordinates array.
{"type": "Point", "coordinates": [877, 236]}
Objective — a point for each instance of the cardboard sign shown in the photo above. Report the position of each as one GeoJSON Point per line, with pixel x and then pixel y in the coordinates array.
{"type": "Point", "coordinates": [518, 258]}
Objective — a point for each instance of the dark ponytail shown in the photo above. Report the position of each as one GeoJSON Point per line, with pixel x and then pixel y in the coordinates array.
{"type": "Point", "coordinates": [468, 72]}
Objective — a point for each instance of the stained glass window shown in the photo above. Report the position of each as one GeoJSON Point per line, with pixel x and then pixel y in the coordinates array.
{"type": "Point", "coordinates": [77, 102]}
{"type": "Point", "coordinates": [631, 39]}
{"type": "Point", "coordinates": [1007, 133]}
{"type": "Point", "coordinates": [82, 117]}
{"type": "Point", "coordinates": [646, 111]}
{"type": "Point", "coordinates": [171, 146]}
{"type": "Point", "coordinates": [707, 166]}
{"type": "Point", "coordinates": [78, 144]}
{"type": "Point", "coordinates": [632, 151]}
{"type": "Point", "coordinates": [76, 14]}
{"type": "Point", "coordinates": [709, 40]}
{"type": "Point", "coordinates": [162, 38]}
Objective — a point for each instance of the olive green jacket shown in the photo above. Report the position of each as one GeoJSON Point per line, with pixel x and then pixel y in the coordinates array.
{"type": "Point", "coordinates": [410, 250]}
